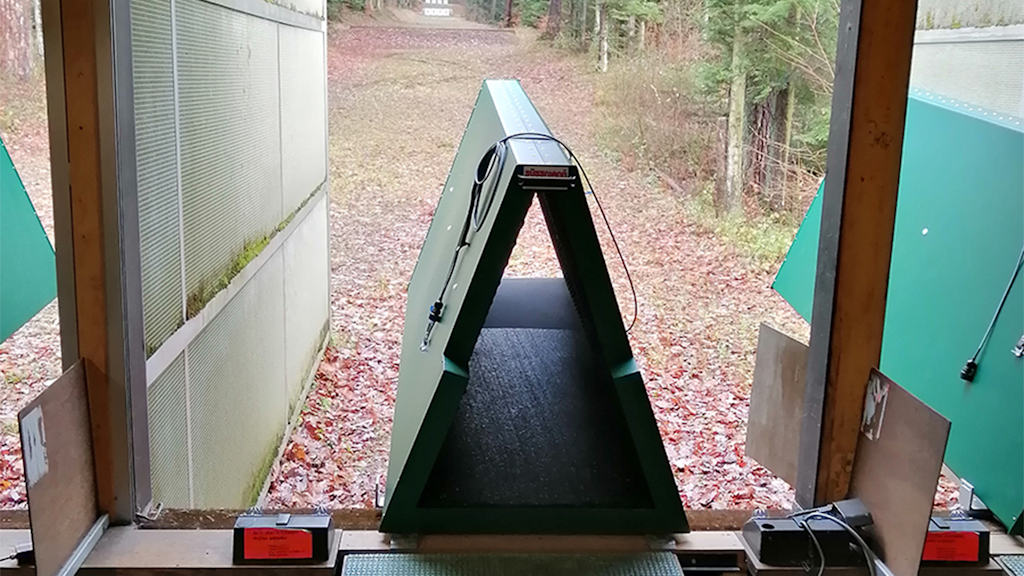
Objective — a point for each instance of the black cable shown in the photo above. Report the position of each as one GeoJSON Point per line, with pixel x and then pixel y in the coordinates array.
{"type": "Point", "coordinates": [971, 368]}
{"type": "Point", "coordinates": [868, 557]}
{"type": "Point", "coordinates": [821, 554]}
{"type": "Point", "coordinates": [493, 163]}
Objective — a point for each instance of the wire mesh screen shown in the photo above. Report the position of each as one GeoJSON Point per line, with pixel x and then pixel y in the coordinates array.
{"type": "Point", "coordinates": [230, 136]}
{"type": "Point", "coordinates": [987, 74]}
{"type": "Point", "coordinates": [237, 392]}
{"type": "Point", "coordinates": [230, 120]}
{"type": "Point", "coordinates": [303, 121]}
{"type": "Point", "coordinates": [156, 150]}
{"type": "Point", "coordinates": [168, 437]}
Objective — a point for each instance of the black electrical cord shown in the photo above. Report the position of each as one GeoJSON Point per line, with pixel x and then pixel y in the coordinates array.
{"type": "Point", "coordinates": [491, 166]}
{"type": "Point", "coordinates": [817, 545]}
{"type": "Point", "coordinates": [971, 367]}
{"type": "Point", "coordinates": [801, 519]}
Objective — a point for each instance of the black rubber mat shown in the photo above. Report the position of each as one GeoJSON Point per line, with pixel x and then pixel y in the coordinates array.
{"type": "Point", "coordinates": [539, 424]}
{"type": "Point", "coordinates": [533, 303]}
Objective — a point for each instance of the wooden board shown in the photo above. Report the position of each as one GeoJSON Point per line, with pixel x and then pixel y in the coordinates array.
{"type": "Point", "coordinates": [895, 475]}
{"type": "Point", "coordinates": [129, 550]}
{"type": "Point", "coordinates": [777, 403]}
{"type": "Point", "coordinates": [59, 472]}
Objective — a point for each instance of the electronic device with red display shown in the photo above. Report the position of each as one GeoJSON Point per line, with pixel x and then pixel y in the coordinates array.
{"type": "Point", "coordinates": [283, 538]}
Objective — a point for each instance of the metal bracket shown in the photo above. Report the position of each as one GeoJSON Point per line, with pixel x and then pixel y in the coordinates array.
{"type": "Point", "coordinates": [661, 542]}
{"type": "Point", "coordinates": [84, 547]}
{"type": "Point", "coordinates": [1018, 350]}
{"type": "Point", "coordinates": [969, 501]}
{"type": "Point", "coordinates": [405, 541]}
{"type": "Point", "coordinates": [151, 511]}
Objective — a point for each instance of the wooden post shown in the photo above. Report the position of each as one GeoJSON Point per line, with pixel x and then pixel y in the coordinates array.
{"type": "Point", "coordinates": [80, 80]}
{"type": "Point", "coordinates": [92, 153]}
{"type": "Point", "coordinates": [858, 210]}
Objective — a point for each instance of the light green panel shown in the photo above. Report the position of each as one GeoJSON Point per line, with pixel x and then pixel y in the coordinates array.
{"type": "Point", "coordinates": [303, 114]}
{"type": "Point", "coordinates": [230, 135]}
{"type": "Point", "coordinates": [168, 436]}
{"type": "Point", "coordinates": [28, 274]}
{"type": "Point", "coordinates": [959, 231]}
{"type": "Point", "coordinates": [306, 296]}
{"type": "Point", "coordinates": [237, 392]}
{"type": "Point", "coordinates": [157, 165]}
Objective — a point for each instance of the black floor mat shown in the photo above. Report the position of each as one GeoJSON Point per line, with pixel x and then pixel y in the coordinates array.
{"type": "Point", "coordinates": [540, 423]}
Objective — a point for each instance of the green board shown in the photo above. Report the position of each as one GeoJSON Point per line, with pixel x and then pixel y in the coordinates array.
{"type": "Point", "coordinates": [28, 278]}
{"type": "Point", "coordinates": [958, 234]}
{"type": "Point", "coordinates": [524, 412]}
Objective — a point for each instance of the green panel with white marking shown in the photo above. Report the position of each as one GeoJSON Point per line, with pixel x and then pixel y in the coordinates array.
{"type": "Point", "coordinates": [958, 236]}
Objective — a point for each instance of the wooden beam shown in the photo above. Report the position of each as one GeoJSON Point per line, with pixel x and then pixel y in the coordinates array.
{"type": "Point", "coordinates": [83, 146]}
{"type": "Point", "coordinates": [99, 282]}
{"type": "Point", "coordinates": [858, 211]}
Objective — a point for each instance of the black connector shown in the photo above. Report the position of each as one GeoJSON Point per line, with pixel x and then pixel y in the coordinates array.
{"type": "Point", "coordinates": [969, 370]}
{"type": "Point", "coordinates": [435, 311]}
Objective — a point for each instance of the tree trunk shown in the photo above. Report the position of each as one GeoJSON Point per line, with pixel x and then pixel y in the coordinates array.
{"type": "Point", "coordinates": [776, 176]}
{"type": "Point", "coordinates": [37, 17]}
{"type": "Point", "coordinates": [570, 18]}
{"type": "Point", "coordinates": [641, 40]}
{"type": "Point", "coordinates": [508, 13]}
{"type": "Point", "coordinates": [787, 140]}
{"type": "Point", "coordinates": [597, 24]}
{"type": "Point", "coordinates": [554, 24]}
{"type": "Point", "coordinates": [603, 51]}
{"type": "Point", "coordinates": [16, 38]}
{"type": "Point", "coordinates": [760, 146]}
{"type": "Point", "coordinates": [737, 102]}
{"type": "Point", "coordinates": [583, 25]}
{"type": "Point", "coordinates": [721, 162]}
{"type": "Point", "coordinates": [492, 16]}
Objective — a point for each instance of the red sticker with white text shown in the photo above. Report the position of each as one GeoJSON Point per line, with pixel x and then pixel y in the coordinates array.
{"type": "Point", "coordinates": [951, 547]}
{"type": "Point", "coordinates": [274, 544]}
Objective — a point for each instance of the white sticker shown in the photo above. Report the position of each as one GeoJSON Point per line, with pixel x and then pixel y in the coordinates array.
{"type": "Point", "coordinates": [874, 407]}
{"type": "Point", "coordinates": [34, 438]}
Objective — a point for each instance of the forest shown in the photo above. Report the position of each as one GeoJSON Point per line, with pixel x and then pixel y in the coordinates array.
{"type": "Point", "coordinates": [727, 101]}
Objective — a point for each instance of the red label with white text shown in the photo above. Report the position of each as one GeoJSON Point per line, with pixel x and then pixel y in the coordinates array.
{"type": "Point", "coordinates": [546, 172]}
{"type": "Point", "coordinates": [951, 547]}
{"type": "Point", "coordinates": [275, 544]}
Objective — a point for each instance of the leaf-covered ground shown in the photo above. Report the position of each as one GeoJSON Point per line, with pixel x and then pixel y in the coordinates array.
{"type": "Point", "coordinates": [399, 101]}
{"type": "Point", "coordinates": [29, 358]}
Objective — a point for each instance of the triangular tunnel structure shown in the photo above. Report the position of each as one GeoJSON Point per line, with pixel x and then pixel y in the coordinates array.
{"type": "Point", "coordinates": [520, 408]}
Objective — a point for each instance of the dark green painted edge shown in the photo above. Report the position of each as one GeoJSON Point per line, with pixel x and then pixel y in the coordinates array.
{"type": "Point", "coordinates": [583, 266]}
